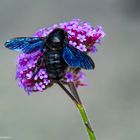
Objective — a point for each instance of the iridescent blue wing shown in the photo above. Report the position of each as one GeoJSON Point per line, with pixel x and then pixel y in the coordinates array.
{"type": "Point", "coordinates": [75, 58]}
{"type": "Point", "coordinates": [25, 44]}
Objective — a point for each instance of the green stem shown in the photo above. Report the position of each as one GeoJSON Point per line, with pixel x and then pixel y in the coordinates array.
{"type": "Point", "coordinates": [82, 111]}
{"type": "Point", "coordinates": [76, 99]}
{"type": "Point", "coordinates": [86, 122]}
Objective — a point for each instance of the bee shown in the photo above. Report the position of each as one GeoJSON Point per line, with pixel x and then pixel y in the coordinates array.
{"type": "Point", "coordinates": [57, 56]}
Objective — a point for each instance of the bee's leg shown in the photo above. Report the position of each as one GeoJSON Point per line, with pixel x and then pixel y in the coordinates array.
{"type": "Point", "coordinates": [38, 65]}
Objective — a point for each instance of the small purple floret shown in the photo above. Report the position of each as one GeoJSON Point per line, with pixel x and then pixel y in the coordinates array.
{"type": "Point", "coordinates": [82, 48]}
{"type": "Point", "coordinates": [69, 77]}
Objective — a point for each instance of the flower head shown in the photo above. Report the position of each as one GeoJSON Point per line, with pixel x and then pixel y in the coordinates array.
{"type": "Point", "coordinates": [81, 35]}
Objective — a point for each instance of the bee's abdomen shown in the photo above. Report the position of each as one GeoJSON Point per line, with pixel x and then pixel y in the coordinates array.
{"type": "Point", "coordinates": [55, 65]}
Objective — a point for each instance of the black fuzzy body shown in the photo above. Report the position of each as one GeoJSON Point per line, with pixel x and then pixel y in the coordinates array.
{"type": "Point", "coordinates": [55, 64]}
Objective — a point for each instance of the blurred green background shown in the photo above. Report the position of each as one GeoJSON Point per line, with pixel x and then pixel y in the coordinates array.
{"type": "Point", "coordinates": [112, 98]}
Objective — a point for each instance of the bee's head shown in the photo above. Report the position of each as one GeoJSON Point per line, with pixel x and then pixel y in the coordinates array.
{"type": "Point", "coordinates": [56, 38]}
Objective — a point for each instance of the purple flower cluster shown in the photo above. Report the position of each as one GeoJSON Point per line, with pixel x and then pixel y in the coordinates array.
{"type": "Point", "coordinates": [24, 73]}
{"type": "Point", "coordinates": [77, 78]}
{"type": "Point", "coordinates": [80, 35]}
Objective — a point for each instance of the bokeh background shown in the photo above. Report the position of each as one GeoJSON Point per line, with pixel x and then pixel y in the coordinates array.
{"type": "Point", "coordinates": [112, 98]}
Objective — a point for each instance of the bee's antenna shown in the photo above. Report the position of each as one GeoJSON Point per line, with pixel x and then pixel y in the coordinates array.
{"type": "Point", "coordinates": [69, 34]}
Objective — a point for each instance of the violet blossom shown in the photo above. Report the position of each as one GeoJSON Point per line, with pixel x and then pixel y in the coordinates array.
{"type": "Point", "coordinates": [81, 35]}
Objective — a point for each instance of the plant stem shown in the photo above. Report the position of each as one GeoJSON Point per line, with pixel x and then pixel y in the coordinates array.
{"type": "Point", "coordinates": [86, 122]}
{"type": "Point", "coordinates": [76, 99]}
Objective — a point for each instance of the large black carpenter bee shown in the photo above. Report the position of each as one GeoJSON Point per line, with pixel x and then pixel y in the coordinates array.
{"type": "Point", "coordinates": [57, 53]}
